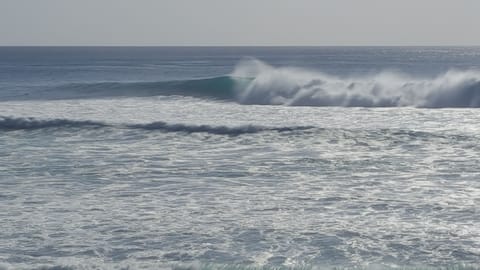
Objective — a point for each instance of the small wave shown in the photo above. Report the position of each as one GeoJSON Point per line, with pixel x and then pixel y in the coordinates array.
{"type": "Point", "coordinates": [30, 123]}
{"type": "Point", "coordinates": [218, 130]}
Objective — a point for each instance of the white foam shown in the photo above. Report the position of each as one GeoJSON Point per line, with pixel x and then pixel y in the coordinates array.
{"type": "Point", "coordinates": [301, 87]}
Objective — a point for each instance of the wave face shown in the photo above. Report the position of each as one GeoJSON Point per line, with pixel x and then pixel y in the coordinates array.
{"type": "Point", "coordinates": [300, 87]}
{"type": "Point", "coordinates": [220, 88]}
{"type": "Point", "coordinates": [12, 123]}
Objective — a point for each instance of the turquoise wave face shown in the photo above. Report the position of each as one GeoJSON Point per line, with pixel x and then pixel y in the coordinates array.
{"type": "Point", "coordinates": [219, 88]}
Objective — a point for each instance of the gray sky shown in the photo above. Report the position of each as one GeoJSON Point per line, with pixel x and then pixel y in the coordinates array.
{"type": "Point", "coordinates": [239, 22]}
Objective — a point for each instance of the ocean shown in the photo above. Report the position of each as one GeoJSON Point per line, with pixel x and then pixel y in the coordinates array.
{"type": "Point", "coordinates": [239, 158]}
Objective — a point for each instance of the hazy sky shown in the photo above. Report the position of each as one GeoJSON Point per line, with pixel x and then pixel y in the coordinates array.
{"type": "Point", "coordinates": [239, 22]}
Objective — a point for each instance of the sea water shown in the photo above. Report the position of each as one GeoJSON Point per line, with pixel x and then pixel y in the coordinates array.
{"type": "Point", "coordinates": [239, 157]}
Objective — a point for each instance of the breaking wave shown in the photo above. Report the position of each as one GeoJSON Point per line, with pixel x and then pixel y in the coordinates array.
{"type": "Point", "coordinates": [12, 123]}
{"type": "Point", "coordinates": [255, 82]}
{"type": "Point", "coordinates": [300, 87]}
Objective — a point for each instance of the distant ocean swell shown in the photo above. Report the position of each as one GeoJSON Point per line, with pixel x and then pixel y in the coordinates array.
{"type": "Point", "coordinates": [255, 82]}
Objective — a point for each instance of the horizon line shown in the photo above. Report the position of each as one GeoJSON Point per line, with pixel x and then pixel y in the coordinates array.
{"type": "Point", "coordinates": [229, 45]}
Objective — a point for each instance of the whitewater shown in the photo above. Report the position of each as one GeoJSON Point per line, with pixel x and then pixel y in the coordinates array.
{"type": "Point", "coordinates": [239, 158]}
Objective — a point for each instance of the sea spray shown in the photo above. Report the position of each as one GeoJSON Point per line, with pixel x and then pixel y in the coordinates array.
{"type": "Point", "coordinates": [301, 87]}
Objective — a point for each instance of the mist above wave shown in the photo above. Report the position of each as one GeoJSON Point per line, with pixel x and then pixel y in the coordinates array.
{"type": "Point", "coordinates": [301, 87]}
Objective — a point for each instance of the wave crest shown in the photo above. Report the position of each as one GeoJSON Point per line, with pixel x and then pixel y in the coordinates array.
{"type": "Point", "coordinates": [300, 87]}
